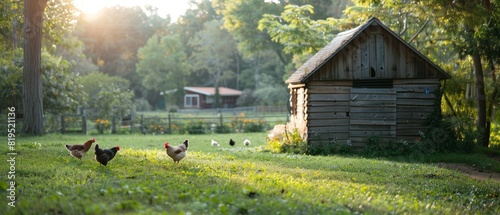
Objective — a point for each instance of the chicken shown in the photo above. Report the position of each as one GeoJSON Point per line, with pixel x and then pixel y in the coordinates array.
{"type": "Point", "coordinates": [231, 142]}
{"type": "Point", "coordinates": [246, 142]}
{"type": "Point", "coordinates": [177, 153]}
{"type": "Point", "coordinates": [104, 156]}
{"type": "Point", "coordinates": [78, 150]}
{"type": "Point", "coordinates": [215, 143]}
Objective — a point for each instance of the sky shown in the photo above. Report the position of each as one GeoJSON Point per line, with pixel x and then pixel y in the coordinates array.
{"type": "Point", "coordinates": [173, 7]}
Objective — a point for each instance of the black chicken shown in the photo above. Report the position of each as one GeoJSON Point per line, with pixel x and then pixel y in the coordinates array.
{"type": "Point", "coordinates": [231, 142]}
{"type": "Point", "coordinates": [104, 156]}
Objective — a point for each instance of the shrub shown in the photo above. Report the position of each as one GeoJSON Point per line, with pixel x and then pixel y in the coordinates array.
{"type": "Point", "coordinates": [196, 127]}
{"type": "Point", "coordinates": [157, 129]}
{"type": "Point", "coordinates": [223, 129]}
{"type": "Point", "coordinates": [332, 146]}
{"type": "Point", "coordinates": [253, 125]}
{"type": "Point", "coordinates": [289, 142]}
{"type": "Point", "coordinates": [374, 147]}
{"type": "Point", "coordinates": [241, 124]}
{"type": "Point", "coordinates": [101, 125]}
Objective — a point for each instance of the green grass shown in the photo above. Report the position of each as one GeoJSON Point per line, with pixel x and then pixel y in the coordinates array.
{"type": "Point", "coordinates": [231, 180]}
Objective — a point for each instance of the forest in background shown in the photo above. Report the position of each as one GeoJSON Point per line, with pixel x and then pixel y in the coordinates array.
{"type": "Point", "coordinates": [122, 58]}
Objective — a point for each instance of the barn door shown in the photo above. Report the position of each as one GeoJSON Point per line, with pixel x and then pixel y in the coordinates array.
{"type": "Point", "coordinates": [372, 113]}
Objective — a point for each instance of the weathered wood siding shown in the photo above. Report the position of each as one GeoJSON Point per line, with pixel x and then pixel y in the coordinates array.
{"type": "Point", "coordinates": [299, 109]}
{"type": "Point", "coordinates": [334, 111]}
{"type": "Point", "coordinates": [375, 54]}
{"type": "Point", "coordinates": [373, 113]}
{"type": "Point", "coordinates": [416, 101]}
{"type": "Point", "coordinates": [328, 111]}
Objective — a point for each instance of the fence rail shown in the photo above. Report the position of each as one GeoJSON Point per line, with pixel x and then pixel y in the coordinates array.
{"type": "Point", "coordinates": [244, 119]}
{"type": "Point", "coordinates": [204, 124]}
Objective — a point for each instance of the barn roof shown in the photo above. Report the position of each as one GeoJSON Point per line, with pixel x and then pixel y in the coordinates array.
{"type": "Point", "coordinates": [338, 43]}
{"type": "Point", "coordinates": [210, 91]}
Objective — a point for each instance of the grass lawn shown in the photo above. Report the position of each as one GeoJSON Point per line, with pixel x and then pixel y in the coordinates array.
{"type": "Point", "coordinates": [142, 179]}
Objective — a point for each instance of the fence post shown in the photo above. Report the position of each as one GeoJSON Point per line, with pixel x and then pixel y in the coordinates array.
{"type": "Point", "coordinates": [62, 124]}
{"type": "Point", "coordinates": [84, 121]}
{"type": "Point", "coordinates": [113, 124]}
{"type": "Point", "coordinates": [221, 120]}
{"type": "Point", "coordinates": [143, 131]}
{"type": "Point", "coordinates": [131, 126]}
{"type": "Point", "coordinates": [169, 124]}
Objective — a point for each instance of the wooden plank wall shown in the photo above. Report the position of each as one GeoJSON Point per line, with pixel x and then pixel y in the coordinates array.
{"type": "Point", "coordinates": [328, 111]}
{"type": "Point", "coordinates": [299, 119]}
{"type": "Point", "coordinates": [373, 113]}
{"type": "Point", "coordinates": [374, 54]}
{"type": "Point", "coordinates": [335, 110]}
{"type": "Point", "coordinates": [415, 103]}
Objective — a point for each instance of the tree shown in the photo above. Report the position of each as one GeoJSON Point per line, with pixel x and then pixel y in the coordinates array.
{"type": "Point", "coordinates": [113, 36]}
{"type": "Point", "coordinates": [214, 50]}
{"type": "Point", "coordinates": [32, 75]}
{"type": "Point", "coordinates": [162, 65]}
{"type": "Point", "coordinates": [107, 95]}
{"type": "Point", "coordinates": [299, 34]}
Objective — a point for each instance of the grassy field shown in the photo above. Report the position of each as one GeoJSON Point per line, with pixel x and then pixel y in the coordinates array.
{"type": "Point", "coordinates": [142, 179]}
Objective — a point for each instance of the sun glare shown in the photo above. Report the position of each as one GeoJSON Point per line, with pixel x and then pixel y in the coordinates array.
{"type": "Point", "coordinates": [89, 6]}
{"type": "Point", "coordinates": [174, 8]}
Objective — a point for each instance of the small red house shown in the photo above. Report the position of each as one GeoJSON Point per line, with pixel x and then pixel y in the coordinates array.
{"type": "Point", "coordinates": [204, 97]}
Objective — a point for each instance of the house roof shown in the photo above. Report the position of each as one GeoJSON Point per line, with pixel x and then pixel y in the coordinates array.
{"type": "Point", "coordinates": [338, 43]}
{"type": "Point", "coordinates": [210, 91]}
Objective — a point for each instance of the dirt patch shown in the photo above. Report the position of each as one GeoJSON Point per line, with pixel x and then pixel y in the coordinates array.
{"type": "Point", "coordinates": [472, 171]}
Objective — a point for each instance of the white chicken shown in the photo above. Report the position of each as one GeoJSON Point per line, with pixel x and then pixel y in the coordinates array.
{"type": "Point", "coordinates": [246, 142]}
{"type": "Point", "coordinates": [215, 143]}
{"type": "Point", "coordinates": [177, 153]}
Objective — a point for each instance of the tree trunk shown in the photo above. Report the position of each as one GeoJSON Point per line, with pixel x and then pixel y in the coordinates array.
{"type": "Point", "coordinates": [32, 75]}
{"type": "Point", "coordinates": [482, 122]}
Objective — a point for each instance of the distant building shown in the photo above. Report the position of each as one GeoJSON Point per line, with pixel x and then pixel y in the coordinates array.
{"type": "Point", "coordinates": [204, 97]}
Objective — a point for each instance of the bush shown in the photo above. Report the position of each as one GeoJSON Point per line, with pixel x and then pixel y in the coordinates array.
{"type": "Point", "coordinates": [241, 124]}
{"type": "Point", "coordinates": [253, 125]}
{"type": "Point", "coordinates": [142, 105]}
{"type": "Point", "coordinates": [196, 127]}
{"type": "Point", "coordinates": [289, 142]}
{"type": "Point", "coordinates": [448, 135]}
{"type": "Point", "coordinates": [374, 147]}
{"type": "Point", "coordinates": [223, 129]}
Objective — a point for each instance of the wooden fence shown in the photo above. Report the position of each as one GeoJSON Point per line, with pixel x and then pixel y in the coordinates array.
{"type": "Point", "coordinates": [193, 122]}
{"type": "Point", "coordinates": [170, 124]}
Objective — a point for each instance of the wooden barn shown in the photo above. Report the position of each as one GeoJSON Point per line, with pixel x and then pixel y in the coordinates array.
{"type": "Point", "coordinates": [366, 82]}
{"type": "Point", "coordinates": [204, 97]}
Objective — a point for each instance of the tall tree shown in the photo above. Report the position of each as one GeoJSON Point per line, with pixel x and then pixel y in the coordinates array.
{"type": "Point", "coordinates": [32, 74]}
{"type": "Point", "coordinates": [241, 20]}
{"type": "Point", "coordinates": [474, 25]}
{"type": "Point", "coordinates": [162, 65]}
{"type": "Point", "coordinates": [214, 50]}
{"type": "Point", "coordinates": [113, 36]}
{"type": "Point", "coordinates": [300, 35]}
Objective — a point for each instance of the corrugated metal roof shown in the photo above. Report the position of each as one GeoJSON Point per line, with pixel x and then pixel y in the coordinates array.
{"type": "Point", "coordinates": [210, 91]}
{"type": "Point", "coordinates": [339, 42]}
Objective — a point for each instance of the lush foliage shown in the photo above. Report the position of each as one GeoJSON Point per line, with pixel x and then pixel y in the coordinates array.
{"type": "Point", "coordinates": [10, 79]}
{"type": "Point", "coordinates": [108, 95]}
{"type": "Point", "coordinates": [162, 65]}
{"type": "Point", "coordinates": [101, 125]}
{"type": "Point", "coordinates": [287, 142]}
{"type": "Point", "coordinates": [62, 93]}
{"type": "Point", "coordinates": [301, 35]}
{"type": "Point", "coordinates": [141, 179]}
